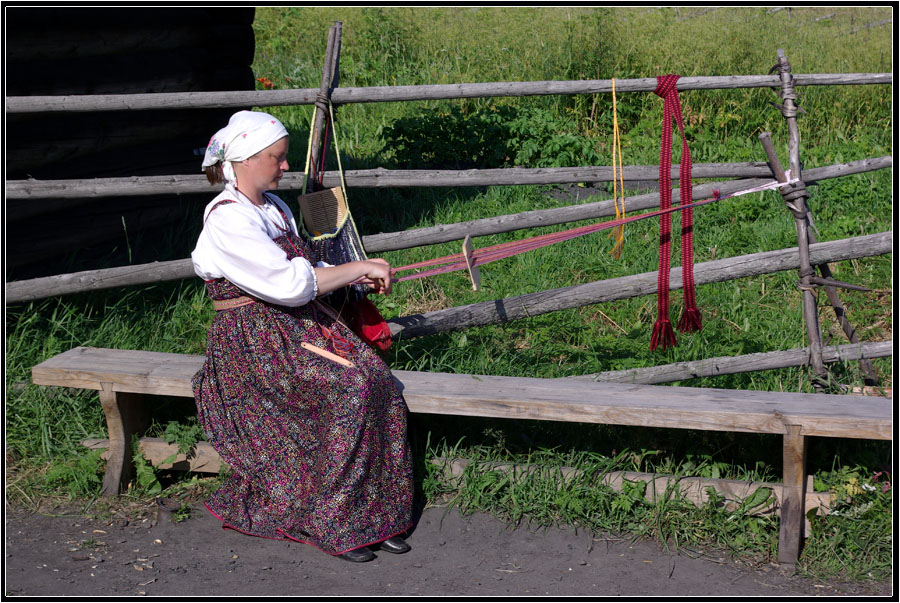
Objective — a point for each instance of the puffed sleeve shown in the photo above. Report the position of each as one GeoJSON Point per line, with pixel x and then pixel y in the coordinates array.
{"type": "Point", "coordinates": [235, 244]}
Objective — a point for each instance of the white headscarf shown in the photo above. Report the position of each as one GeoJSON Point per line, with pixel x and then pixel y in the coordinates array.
{"type": "Point", "coordinates": [247, 133]}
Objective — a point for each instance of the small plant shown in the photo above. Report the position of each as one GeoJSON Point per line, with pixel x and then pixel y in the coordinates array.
{"type": "Point", "coordinates": [146, 480]}
{"type": "Point", "coordinates": [185, 435]}
{"type": "Point", "coordinates": [78, 477]}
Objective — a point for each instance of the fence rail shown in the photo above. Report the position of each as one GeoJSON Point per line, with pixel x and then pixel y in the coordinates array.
{"type": "Point", "coordinates": [382, 94]}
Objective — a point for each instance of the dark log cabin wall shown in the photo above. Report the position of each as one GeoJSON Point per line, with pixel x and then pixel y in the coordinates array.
{"type": "Point", "coordinates": [73, 51]}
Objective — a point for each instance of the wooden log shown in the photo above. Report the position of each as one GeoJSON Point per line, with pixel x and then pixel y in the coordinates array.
{"type": "Point", "coordinates": [383, 178]}
{"type": "Point", "coordinates": [729, 365]}
{"type": "Point", "coordinates": [586, 211]}
{"type": "Point", "coordinates": [870, 25]}
{"type": "Point", "coordinates": [542, 302]}
{"type": "Point", "coordinates": [307, 96]}
{"type": "Point", "coordinates": [374, 178]}
{"type": "Point", "coordinates": [93, 280]}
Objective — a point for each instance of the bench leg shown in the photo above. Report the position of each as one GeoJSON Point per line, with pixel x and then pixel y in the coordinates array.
{"type": "Point", "coordinates": [794, 496]}
{"type": "Point", "coordinates": [125, 416]}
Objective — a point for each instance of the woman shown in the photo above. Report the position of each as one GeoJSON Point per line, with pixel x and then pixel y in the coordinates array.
{"type": "Point", "coordinates": [307, 415]}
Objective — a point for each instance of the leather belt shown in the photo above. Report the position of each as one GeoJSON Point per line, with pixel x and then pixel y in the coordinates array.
{"type": "Point", "coordinates": [236, 302]}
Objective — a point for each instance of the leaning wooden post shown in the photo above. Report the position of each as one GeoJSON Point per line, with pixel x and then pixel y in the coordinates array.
{"type": "Point", "coordinates": [795, 195]}
{"type": "Point", "coordinates": [315, 149]}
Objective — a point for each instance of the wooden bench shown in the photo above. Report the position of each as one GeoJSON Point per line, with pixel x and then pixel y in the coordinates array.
{"type": "Point", "coordinates": [126, 378]}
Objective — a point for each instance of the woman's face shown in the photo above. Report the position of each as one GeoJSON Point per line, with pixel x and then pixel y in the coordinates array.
{"type": "Point", "coordinates": [265, 169]}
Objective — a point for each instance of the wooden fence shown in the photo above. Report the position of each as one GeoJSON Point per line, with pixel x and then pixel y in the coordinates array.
{"type": "Point", "coordinates": [806, 257]}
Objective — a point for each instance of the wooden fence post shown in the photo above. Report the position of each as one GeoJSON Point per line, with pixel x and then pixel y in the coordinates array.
{"type": "Point", "coordinates": [795, 196]}
{"type": "Point", "coordinates": [798, 201]}
{"type": "Point", "coordinates": [328, 75]}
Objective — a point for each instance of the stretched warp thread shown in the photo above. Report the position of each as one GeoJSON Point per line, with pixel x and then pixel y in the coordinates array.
{"type": "Point", "coordinates": [493, 253]}
{"type": "Point", "coordinates": [663, 335]}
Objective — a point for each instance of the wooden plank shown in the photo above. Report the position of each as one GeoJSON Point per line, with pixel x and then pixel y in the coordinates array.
{"type": "Point", "coordinates": [791, 527]}
{"type": "Point", "coordinates": [646, 405]}
{"type": "Point", "coordinates": [522, 397]}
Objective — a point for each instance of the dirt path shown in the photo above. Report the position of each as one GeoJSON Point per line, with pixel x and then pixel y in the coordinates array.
{"type": "Point", "coordinates": [452, 555]}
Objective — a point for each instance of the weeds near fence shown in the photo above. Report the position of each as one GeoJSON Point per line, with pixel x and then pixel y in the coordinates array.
{"type": "Point", "coordinates": [411, 45]}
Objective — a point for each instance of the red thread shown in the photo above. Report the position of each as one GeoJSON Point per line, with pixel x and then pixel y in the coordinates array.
{"type": "Point", "coordinates": [690, 321]}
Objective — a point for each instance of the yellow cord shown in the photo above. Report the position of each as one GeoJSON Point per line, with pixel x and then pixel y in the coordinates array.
{"type": "Point", "coordinates": [618, 181]}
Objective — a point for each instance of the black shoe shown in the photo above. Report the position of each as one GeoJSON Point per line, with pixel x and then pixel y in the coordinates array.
{"type": "Point", "coordinates": [360, 555]}
{"type": "Point", "coordinates": [394, 545]}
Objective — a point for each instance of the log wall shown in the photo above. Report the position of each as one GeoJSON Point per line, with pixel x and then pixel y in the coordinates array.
{"type": "Point", "coordinates": [63, 51]}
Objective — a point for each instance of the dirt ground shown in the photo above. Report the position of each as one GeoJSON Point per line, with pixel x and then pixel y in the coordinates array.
{"type": "Point", "coordinates": [53, 555]}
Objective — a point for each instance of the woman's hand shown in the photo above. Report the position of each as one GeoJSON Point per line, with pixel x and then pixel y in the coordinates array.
{"type": "Point", "coordinates": [379, 276]}
{"type": "Point", "coordinates": [375, 273]}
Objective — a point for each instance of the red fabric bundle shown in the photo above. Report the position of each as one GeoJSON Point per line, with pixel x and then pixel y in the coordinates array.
{"type": "Point", "coordinates": [369, 324]}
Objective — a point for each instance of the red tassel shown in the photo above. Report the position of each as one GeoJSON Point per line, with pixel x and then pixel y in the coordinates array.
{"type": "Point", "coordinates": [690, 321]}
{"type": "Point", "coordinates": [663, 335]}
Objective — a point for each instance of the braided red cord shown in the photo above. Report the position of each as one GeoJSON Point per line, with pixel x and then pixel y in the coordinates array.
{"type": "Point", "coordinates": [690, 318]}
{"type": "Point", "coordinates": [663, 335]}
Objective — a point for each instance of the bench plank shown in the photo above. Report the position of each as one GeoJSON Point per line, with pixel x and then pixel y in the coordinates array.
{"type": "Point", "coordinates": [647, 405]}
{"type": "Point", "coordinates": [825, 415]}
{"type": "Point", "coordinates": [125, 377]}
{"type": "Point", "coordinates": [135, 371]}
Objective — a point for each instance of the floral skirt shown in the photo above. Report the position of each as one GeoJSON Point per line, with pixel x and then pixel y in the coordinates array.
{"type": "Point", "coordinates": [318, 451]}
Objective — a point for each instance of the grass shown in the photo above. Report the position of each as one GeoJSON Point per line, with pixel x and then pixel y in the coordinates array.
{"type": "Point", "coordinates": [411, 45]}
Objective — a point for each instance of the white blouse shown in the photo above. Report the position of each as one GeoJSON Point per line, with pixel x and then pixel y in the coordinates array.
{"type": "Point", "coordinates": [236, 243]}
